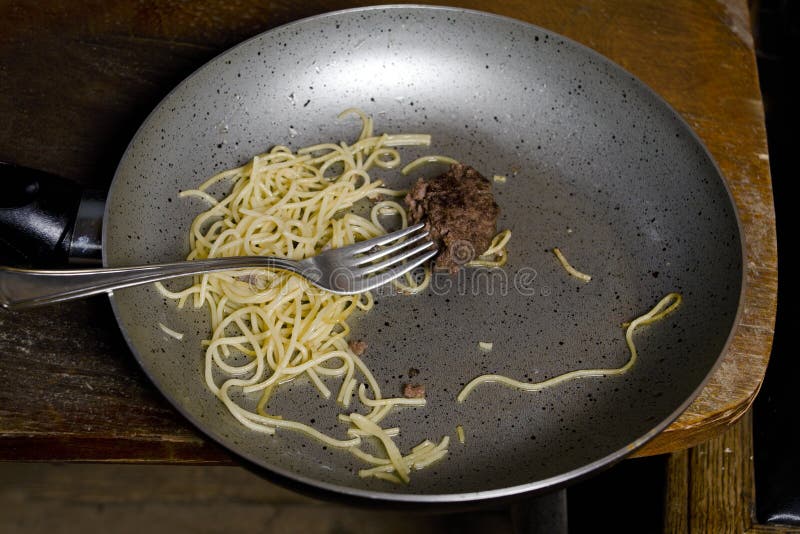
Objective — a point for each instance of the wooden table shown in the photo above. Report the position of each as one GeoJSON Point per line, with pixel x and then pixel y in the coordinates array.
{"type": "Point", "coordinates": [77, 78]}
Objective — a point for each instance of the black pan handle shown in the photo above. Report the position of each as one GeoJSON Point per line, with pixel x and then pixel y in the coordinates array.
{"type": "Point", "coordinates": [46, 220]}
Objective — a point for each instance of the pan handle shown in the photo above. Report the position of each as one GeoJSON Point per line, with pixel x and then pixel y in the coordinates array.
{"type": "Point", "coordinates": [46, 220]}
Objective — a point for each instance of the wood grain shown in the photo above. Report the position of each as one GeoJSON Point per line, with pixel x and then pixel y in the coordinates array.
{"type": "Point", "coordinates": [79, 498]}
{"type": "Point", "coordinates": [676, 502]}
{"type": "Point", "coordinates": [711, 487]}
{"type": "Point", "coordinates": [77, 78]}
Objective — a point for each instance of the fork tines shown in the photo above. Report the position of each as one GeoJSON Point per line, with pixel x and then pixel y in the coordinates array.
{"type": "Point", "coordinates": [377, 261]}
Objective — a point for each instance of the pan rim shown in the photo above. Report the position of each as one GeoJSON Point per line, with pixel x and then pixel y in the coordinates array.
{"type": "Point", "coordinates": [539, 486]}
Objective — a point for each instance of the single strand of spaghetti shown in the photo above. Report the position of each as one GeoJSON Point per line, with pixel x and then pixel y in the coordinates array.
{"type": "Point", "coordinates": [392, 207]}
{"type": "Point", "coordinates": [325, 369]}
{"type": "Point", "coordinates": [501, 260]}
{"type": "Point", "coordinates": [669, 303]}
{"type": "Point", "coordinates": [238, 414]}
{"type": "Point", "coordinates": [365, 301]}
{"type": "Point", "coordinates": [199, 194]}
{"type": "Point", "coordinates": [261, 406]}
{"type": "Point", "coordinates": [411, 286]}
{"type": "Point", "coordinates": [425, 160]}
{"type": "Point", "coordinates": [174, 294]}
{"type": "Point", "coordinates": [221, 176]}
{"type": "Point", "coordinates": [397, 401]}
{"type": "Point", "coordinates": [569, 268]}
{"type": "Point", "coordinates": [395, 140]}
{"type": "Point", "coordinates": [389, 192]}
{"type": "Point", "coordinates": [323, 390]}
{"type": "Point", "coordinates": [346, 393]}
{"type": "Point", "coordinates": [366, 121]}
{"type": "Point", "coordinates": [385, 158]}
{"type": "Point", "coordinates": [170, 332]}
{"type": "Point", "coordinates": [663, 311]}
{"type": "Point", "coordinates": [498, 243]}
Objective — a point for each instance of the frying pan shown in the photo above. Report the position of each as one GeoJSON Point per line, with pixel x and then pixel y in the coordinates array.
{"type": "Point", "coordinates": [596, 164]}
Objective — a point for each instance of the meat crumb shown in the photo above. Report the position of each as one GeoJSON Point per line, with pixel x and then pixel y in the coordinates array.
{"type": "Point", "coordinates": [358, 347]}
{"type": "Point", "coordinates": [413, 391]}
{"type": "Point", "coordinates": [459, 211]}
{"type": "Point", "coordinates": [413, 372]}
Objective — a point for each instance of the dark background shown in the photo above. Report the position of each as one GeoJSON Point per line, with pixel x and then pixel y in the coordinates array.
{"type": "Point", "coordinates": [777, 410]}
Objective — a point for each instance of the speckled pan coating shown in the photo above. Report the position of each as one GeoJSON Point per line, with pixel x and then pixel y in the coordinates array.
{"type": "Point", "coordinates": [597, 165]}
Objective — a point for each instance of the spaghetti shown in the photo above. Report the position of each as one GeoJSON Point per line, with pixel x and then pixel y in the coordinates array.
{"type": "Point", "coordinates": [271, 327]}
{"type": "Point", "coordinates": [665, 306]}
{"type": "Point", "coordinates": [569, 268]}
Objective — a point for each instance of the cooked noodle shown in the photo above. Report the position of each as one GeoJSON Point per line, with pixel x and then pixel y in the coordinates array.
{"type": "Point", "coordinates": [170, 332]}
{"type": "Point", "coordinates": [665, 306]}
{"type": "Point", "coordinates": [295, 205]}
{"type": "Point", "coordinates": [569, 268]}
{"type": "Point", "coordinates": [460, 433]}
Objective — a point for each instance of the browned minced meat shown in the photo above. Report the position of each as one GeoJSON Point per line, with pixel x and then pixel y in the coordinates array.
{"type": "Point", "coordinates": [413, 391]}
{"type": "Point", "coordinates": [459, 211]}
{"type": "Point", "coordinates": [358, 347]}
{"type": "Point", "coordinates": [413, 372]}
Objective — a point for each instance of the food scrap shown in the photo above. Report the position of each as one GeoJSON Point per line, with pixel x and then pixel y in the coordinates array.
{"type": "Point", "coordinates": [459, 211]}
{"type": "Point", "coordinates": [413, 391]}
{"type": "Point", "coordinates": [358, 347]}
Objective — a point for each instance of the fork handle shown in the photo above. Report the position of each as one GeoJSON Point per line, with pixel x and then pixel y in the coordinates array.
{"type": "Point", "coordinates": [26, 288]}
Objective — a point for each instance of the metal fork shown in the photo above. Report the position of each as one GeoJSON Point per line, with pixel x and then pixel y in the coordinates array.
{"type": "Point", "coordinates": [345, 271]}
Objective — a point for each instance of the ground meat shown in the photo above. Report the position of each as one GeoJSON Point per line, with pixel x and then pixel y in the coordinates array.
{"type": "Point", "coordinates": [459, 212]}
{"type": "Point", "coordinates": [413, 391]}
{"type": "Point", "coordinates": [413, 372]}
{"type": "Point", "coordinates": [358, 347]}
